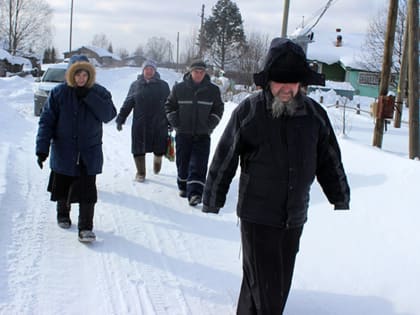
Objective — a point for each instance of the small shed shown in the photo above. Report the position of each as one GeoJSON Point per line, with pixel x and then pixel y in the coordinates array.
{"type": "Point", "coordinates": [12, 64]}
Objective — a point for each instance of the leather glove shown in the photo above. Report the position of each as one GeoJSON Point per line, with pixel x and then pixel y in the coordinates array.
{"type": "Point", "coordinates": [119, 126]}
{"type": "Point", "coordinates": [41, 159]}
{"type": "Point", "coordinates": [208, 209]}
{"type": "Point", "coordinates": [81, 92]}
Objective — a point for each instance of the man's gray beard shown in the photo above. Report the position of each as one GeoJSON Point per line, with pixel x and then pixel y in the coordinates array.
{"type": "Point", "coordinates": [283, 108]}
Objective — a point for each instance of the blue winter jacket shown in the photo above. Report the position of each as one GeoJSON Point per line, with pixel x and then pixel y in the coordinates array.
{"type": "Point", "coordinates": [73, 129]}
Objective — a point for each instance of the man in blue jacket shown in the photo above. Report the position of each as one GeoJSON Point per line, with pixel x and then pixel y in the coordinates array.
{"type": "Point", "coordinates": [71, 125]}
{"type": "Point", "coordinates": [283, 140]}
{"type": "Point", "coordinates": [194, 108]}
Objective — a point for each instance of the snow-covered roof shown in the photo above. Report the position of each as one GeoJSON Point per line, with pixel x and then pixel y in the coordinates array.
{"type": "Point", "coordinates": [324, 49]}
{"type": "Point", "coordinates": [14, 60]}
{"type": "Point", "coordinates": [102, 52]}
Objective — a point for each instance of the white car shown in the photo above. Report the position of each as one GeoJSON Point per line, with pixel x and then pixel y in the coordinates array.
{"type": "Point", "coordinates": [53, 76]}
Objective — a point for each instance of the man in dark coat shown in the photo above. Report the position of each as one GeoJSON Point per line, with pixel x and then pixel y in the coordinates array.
{"type": "Point", "coordinates": [283, 140]}
{"type": "Point", "coordinates": [194, 108]}
{"type": "Point", "coordinates": [149, 131]}
{"type": "Point", "coordinates": [71, 124]}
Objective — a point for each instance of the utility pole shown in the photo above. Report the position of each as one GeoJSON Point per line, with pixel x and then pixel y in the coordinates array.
{"type": "Point", "coordinates": [413, 78]}
{"type": "Point", "coordinates": [285, 18]}
{"type": "Point", "coordinates": [201, 39]}
{"type": "Point", "coordinates": [177, 52]}
{"type": "Point", "coordinates": [71, 24]}
{"type": "Point", "coordinates": [386, 69]}
{"type": "Point", "coordinates": [402, 80]}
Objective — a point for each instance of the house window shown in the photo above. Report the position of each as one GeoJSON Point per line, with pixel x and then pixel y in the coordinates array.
{"type": "Point", "coordinates": [369, 78]}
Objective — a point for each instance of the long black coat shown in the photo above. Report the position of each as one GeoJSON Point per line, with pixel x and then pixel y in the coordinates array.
{"type": "Point", "coordinates": [280, 157]}
{"type": "Point", "coordinates": [150, 128]}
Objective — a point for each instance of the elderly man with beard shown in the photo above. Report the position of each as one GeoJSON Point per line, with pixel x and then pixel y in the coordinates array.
{"type": "Point", "coordinates": [283, 140]}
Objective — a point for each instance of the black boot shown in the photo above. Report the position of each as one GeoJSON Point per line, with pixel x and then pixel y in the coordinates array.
{"type": "Point", "coordinates": [63, 214]}
{"type": "Point", "coordinates": [86, 211]}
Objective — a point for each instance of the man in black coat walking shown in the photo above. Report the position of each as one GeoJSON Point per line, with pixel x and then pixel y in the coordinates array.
{"type": "Point", "coordinates": [194, 108]}
{"type": "Point", "coordinates": [283, 140]}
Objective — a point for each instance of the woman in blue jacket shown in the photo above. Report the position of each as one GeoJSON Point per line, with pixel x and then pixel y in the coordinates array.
{"type": "Point", "coordinates": [71, 127]}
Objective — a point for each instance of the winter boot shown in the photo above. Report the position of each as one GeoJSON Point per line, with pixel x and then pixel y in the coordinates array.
{"type": "Point", "coordinates": [63, 214]}
{"type": "Point", "coordinates": [194, 200]}
{"type": "Point", "coordinates": [86, 236]}
{"type": "Point", "coordinates": [140, 161]}
{"type": "Point", "coordinates": [86, 211]}
{"type": "Point", "coordinates": [157, 163]}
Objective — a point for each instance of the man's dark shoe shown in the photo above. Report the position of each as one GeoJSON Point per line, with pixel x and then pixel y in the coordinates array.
{"type": "Point", "coordinates": [183, 193]}
{"type": "Point", "coordinates": [195, 200]}
{"type": "Point", "coordinates": [86, 236]}
{"type": "Point", "coordinates": [64, 222]}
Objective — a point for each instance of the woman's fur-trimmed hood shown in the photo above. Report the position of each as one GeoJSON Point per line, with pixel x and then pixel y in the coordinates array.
{"type": "Point", "coordinates": [76, 63]}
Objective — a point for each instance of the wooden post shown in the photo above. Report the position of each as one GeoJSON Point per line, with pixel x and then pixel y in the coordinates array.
{"type": "Point", "coordinates": [402, 81]}
{"type": "Point", "coordinates": [413, 78]}
{"type": "Point", "coordinates": [285, 18]}
{"type": "Point", "coordinates": [386, 68]}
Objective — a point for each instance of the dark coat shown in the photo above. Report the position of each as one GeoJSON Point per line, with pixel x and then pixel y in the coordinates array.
{"type": "Point", "coordinates": [280, 158]}
{"type": "Point", "coordinates": [73, 128]}
{"type": "Point", "coordinates": [149, 130]}
{"type": "Point", "coordinates": [194, 109]}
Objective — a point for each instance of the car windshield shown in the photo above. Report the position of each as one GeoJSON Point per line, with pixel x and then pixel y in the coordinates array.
{"type": "Point", "coordinates": [54, 75]}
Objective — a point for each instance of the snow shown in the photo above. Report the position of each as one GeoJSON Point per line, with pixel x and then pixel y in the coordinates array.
{"type": "Point", "coordinates": [323, 48]}
{"type": "Point", "coordinates": [14, 60]}
{"type": "Point", "coordinates": [157, 255]}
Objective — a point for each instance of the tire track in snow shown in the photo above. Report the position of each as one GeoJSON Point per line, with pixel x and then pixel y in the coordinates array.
{"type": "Point", "coordinates": [26, 224]}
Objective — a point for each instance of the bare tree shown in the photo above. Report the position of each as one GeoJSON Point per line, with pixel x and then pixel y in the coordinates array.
{"type": "Point", "coordinates": [139, 51]}
{"type": "Point", "coordinates": [191, 47]}
{"type": "Point", "coordinates": [25, 24]}
{"type": "Point", "coordinates": [253, 55]}
{"type": "Point", "coordinates": [122, 52]}
{"type": "Point", "coordinates": [372, 54]}
{"type": "Point", "coordinates": [101, 41]}
{"type": "Point", "coordinates": [159, 49]}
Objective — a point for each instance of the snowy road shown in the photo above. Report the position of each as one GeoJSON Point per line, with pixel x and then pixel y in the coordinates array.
{"type": "Point", "coordinates": [156, 255]}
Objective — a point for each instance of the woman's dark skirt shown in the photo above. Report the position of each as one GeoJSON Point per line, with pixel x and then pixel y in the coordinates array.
{"type": "Point", "coordinates": [73, 189]}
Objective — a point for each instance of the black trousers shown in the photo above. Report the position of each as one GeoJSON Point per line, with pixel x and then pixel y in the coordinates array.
{"type": "Point", "coordinates": [268, 261]}
{"type": "Point", "coordinates": [192, 156]}
{"type": "Point", "coordinates": [74, 189]}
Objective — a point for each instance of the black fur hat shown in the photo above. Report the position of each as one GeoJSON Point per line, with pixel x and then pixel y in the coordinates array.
{"type": "Point", "coordinates": [286, 63]}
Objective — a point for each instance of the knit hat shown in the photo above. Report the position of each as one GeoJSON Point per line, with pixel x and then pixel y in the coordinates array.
{"type": "Point", "coordinates": [149, 63]}
{"type": "Point", "coordinates": [76, 64]}
{"type": "Point", "coordinates": [198, 64]}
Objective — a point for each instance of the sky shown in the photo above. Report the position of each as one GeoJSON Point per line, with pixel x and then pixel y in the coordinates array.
{"type": "Point", "coordinates": [128, 23]}
{"type": "Point", "coordinates": [156, 255]}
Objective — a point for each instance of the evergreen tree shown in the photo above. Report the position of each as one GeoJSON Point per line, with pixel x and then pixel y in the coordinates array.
{"type": "Point", "coordinates": [47, 53]}
{"type": "Point", "coordinates": [223, 33]}
{"type": "Point", "coordinates": [53, 55]}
